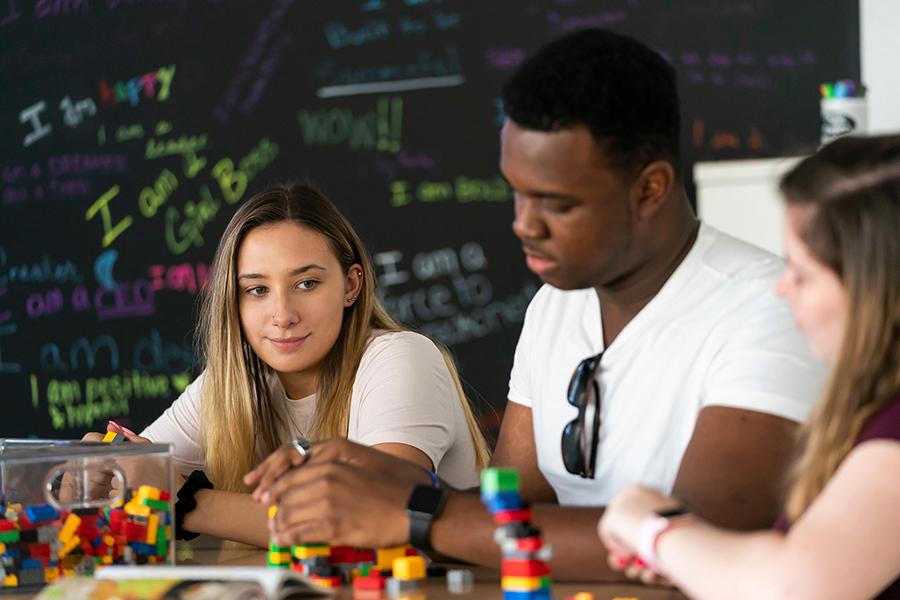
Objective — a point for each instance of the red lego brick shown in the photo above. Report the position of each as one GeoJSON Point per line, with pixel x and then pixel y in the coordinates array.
{"type": "Point", "coordinates": [529, 544]}
{"type": "Point", "coordinates": [521, 515]}
{"type": "Point", "coordinates": [513, 567]}
{"type": "Point", "coordinates": [373, 582]}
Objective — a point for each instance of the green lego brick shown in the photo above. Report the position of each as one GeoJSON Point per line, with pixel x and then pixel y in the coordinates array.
{"type": "Point", "coordinates": [499, 480]}
{"type": "Point", "coordinates": [155, 504]}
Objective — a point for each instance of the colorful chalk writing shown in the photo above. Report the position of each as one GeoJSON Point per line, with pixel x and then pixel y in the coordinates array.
{"type": "Point", "coordinates": [135, 128]}
{"type": "Point", "coordinates": [447, 293]}
{"type": "Point", "coordinates": [153, 85]}
{"type": "Point", "coordinates": [462, 189]}
{"type": "Point", "coordinates": [377, 129]}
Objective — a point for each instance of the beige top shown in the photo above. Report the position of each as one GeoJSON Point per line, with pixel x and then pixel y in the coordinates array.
{"type": "Point", "coordinates": [403, 393]}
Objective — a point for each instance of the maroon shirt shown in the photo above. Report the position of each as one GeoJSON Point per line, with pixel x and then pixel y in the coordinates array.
{"type": "Point", "coordinates": [883, 425]}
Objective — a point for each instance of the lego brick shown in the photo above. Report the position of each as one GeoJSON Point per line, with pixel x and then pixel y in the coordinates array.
{"type": "Point", "coordinates": [524, 568]}
{"type": "Point", "coordinates": [524, 584]}
{"type": "Point", "coordinates": [408, 568]}
{"type": "Point", "coordinates": [541, 594]}
{"type": "Point", "coordinates": [499, 480]}
{"type": "Point", "coordinates": [384, 557]}
{"type": "Point", "coordinates": [328, 582]}
{"type": "Point", "coordinates": [504, 517]}
{"type": "Point", "coordinates": [502, 502]}
{"type": "Point", "coordinates": [8, 537]}
{"type": "Point", "coordinates": [155, 504]}
{"type": "Point", "coordinates": [460, 581]}
{"type": "Point", "coordinates": [310, 551]}
{"type": "Point", "coordinates": [395, 586]}
{"type": "Point", "coordinates": [112, 437]}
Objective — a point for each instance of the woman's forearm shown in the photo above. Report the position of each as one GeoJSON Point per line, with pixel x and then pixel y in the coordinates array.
{"type": "Point", "coordinates": [229, 515]}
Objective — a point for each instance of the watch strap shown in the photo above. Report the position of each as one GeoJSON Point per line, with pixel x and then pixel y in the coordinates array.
{"type": "Point", "coordinates": [420, 521]}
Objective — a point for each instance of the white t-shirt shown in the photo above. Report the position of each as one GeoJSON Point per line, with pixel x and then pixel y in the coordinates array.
{"type": "Point", "coordinates": [715, 334]}
{"type": "Point", "coordinates": [403, 393]}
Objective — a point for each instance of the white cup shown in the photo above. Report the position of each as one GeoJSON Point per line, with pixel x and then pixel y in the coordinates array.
{"type": "Point", "coordinates": [842, 116]}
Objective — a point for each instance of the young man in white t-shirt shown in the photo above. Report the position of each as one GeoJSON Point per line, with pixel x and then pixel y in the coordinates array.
{"type": "Point", "coordinates": [703, 375]}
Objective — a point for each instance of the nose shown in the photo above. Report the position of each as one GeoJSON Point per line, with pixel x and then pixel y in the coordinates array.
{"type": "Point", "coordinates": [528, 224]}
{"type": "Point", "coordinates": [284, 315]}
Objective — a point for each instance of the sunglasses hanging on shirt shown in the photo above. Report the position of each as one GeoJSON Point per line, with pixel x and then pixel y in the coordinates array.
{"type": "Point", "coordinates": [582, 434]}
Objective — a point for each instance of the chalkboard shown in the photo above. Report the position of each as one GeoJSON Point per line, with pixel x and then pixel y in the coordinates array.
{"type": "Point", "coordinates": [131, 130]}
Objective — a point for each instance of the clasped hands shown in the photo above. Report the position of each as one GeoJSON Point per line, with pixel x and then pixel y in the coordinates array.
{"type": "Point", "coordinates": [340, 493]}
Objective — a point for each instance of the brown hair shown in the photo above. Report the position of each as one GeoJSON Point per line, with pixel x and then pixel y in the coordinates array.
{"type": "Point", "coordinates": [852, 190]}
{"type": "Point", "coordinates": [240, 418]}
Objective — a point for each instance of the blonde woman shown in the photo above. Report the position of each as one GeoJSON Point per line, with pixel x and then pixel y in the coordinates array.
{"type": "Point", "coordinates": [296, 343]}
{"type": "Point", "coordinates": [839, 536]}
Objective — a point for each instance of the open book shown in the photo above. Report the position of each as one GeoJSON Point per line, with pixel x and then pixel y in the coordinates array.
{"type": "Point", "coordinates": [185, 583]}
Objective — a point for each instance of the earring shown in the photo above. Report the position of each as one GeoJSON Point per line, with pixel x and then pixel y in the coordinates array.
{"type": "Point", "coordinates": [351, 300]}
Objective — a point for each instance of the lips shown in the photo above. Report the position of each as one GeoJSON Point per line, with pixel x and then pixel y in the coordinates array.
{"type": "Point", "coordinates": [287, 343]}
{"type": "Point", "coordinates": [538, 263]}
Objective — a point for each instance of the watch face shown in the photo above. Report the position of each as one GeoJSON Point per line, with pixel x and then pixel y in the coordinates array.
{"type": "Point", "coordinates": [425, 499]}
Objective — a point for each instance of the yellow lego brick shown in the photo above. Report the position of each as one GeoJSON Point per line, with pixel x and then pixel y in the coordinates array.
{"type": "Point", "coordinates": [522, 584]}
{"type": "Point", "coordinates": [589, 596]}
{"type": "Point", "coordinates": [106, 559]}
{"type": "Point", "coordinates": [70, 545]}
{"type": "Point", "coordinates": [69, 528]}
{"type": "Point", "coordinates": [149, 492]}
{"type": "Point", "coordinates": [310, 551]}
{"type": "Point", "coordinates": [152, 526]}
{"type": "Point", "coordinates": [408, 568]}
{"type": "Point", "coordinates": [280, 558]}
{"type": "Point", "coordinates": [51, 574]}
{"type": "Point", "coordinates": [384, 557]}
{"type": "Point", "coordinates": [137, 510]}
{"type": "Point", "coordinates": [109, 540]}
{"type": "Point", "coordinates": [273, 510]}
{"type": "Point", "coordinates": [11, 581]}
{"type": "Point", "coordinates": [2, 547]}
{"type": "Point", "coordinates": [68, 572]}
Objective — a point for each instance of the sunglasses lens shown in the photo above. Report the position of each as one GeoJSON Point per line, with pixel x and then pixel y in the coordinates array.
{"type": "Point", "coordinates": [579, 382]}
{"type": "Point", "coordinates": [573, 457]}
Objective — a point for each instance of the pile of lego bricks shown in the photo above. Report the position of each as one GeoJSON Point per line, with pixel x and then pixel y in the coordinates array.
{"type": "Point", "coordinates": [524, 571]}
{"type": "Point", "coordinates": [393, 569]}
{"type": "Point", "coordinates": [39, 544]}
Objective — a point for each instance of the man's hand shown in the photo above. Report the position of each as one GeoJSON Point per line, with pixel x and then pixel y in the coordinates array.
{"type": "Point", "coordinates": [369, 460]}
{"type": "Point", "coordinates": [333, 501]}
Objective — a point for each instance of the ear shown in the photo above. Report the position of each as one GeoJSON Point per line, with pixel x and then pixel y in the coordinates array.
{"type": "Point", "coordinates": [353, 283]}
{"type": "Point", "coordinates": [651, 189]}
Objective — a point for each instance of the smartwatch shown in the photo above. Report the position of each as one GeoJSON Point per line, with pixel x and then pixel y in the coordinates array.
{"type": "Point", "coordinates": [652, 528]}
{"type": "Point", "coordinates": [424, 505]}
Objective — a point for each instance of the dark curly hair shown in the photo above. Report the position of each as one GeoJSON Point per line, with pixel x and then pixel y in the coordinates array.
{"type": "Point", "coordinates": [622, 91]}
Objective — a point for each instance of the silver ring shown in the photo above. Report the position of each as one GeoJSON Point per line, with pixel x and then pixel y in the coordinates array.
{"type": "Point", "coordinates": [301, 445]}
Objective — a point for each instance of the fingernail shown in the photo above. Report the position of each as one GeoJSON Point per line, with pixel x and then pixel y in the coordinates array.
{"type": "Point", "coordinates": [621, 561]}
{"type": "Point", "coordinates": [128, 431]}
{"type": "Point", "coordinates": [265, 498]}
{"type": "Point", "coordinates": [640, 563]}
{"type": "Point", "coordinates": [112, 424]}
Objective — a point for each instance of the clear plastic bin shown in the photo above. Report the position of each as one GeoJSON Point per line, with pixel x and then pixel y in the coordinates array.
{"type": "Point", "coordinates": [67, 507]}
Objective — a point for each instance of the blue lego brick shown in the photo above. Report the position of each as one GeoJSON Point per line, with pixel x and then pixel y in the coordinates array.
{"type": "Point", "coordinates": [503, 501]}
{"type": "Point", "coordinates": [31, 563]}
{"type": "Point", "coordinates": [541, 594]}
{"type": "Point", "coordinates": [41, 512]}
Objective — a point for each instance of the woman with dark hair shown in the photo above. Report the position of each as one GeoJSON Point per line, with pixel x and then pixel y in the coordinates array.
{"type": "Point", "coordinates": [839, 536]}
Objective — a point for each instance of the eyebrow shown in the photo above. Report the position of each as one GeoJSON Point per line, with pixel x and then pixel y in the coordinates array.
{"type": "Point", "coordinates": [297, 271]}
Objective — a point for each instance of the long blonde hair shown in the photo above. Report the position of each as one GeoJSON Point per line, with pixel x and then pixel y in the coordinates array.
{"type": "Point", "coordinates": [852, 188]}
{"type": "Point", "coordinates": [240, 418]}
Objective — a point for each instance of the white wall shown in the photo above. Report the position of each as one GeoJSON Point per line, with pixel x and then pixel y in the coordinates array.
{"type": "Point", "coordinates": [880, 53]}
